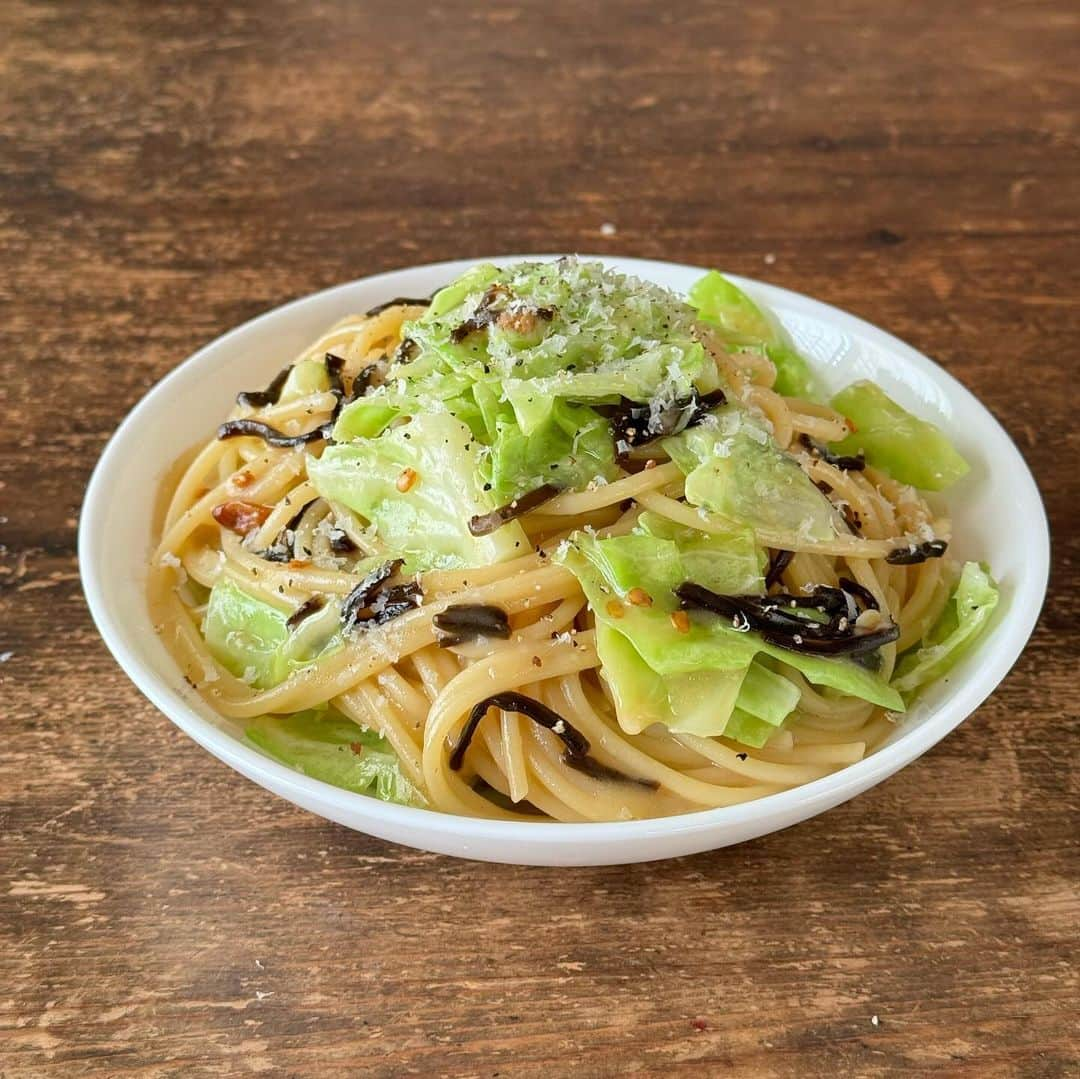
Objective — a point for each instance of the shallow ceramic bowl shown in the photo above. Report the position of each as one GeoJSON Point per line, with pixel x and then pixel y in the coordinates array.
{"type": "Point", "coordinates": [997, 517]}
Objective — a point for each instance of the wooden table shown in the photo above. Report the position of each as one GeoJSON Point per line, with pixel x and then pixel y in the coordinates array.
{"type": "Point", "coordinates": [170, 170]}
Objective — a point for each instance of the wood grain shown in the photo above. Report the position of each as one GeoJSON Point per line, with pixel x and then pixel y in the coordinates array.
{"type": "Point", "coordinates": [167, 171]}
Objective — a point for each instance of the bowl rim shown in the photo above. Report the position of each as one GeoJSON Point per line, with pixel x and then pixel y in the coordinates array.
{"type": "Point", "coordinates": [807, 800]}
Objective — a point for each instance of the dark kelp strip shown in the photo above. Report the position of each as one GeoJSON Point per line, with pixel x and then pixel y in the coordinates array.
{"type": "Point", "coordinates": [502, 801]}
{"type": "Point", "coordinates": [635, 424]}
{"type": "Point", "coordinates": [851, 519]}
{"type": "Point", "coordinates": [391, 603]}
{"type": "Point", "coordinates": [576, 753]}
{"type": "Point", "coordinates": [466, 621]}
{"type": "Point", "coordinates": [335, 370]}
{"type": "Point", "coordinates": [407, 351]}
{"type": "Point", "coordinates": [340, 542]}
{"type": "Point", "coordinates": [270, 435]}
{"type": "Point", "coordinates": [371, 603]}
{"type": "Point", "coordinates": [485, 523]}
{"type": "Point", "coordinates": [362, 382]}
{"type": "Point", "coordinates": [293, 523]}
{"type": "Point", "coordinates": [278, 551]}
{"type": "Point", "coordinates": [779, 561]}
{"type": "Point", "coordinates": [283, 549]}
{"type": "Point", "coordinates": [305, 610]}
{"type": "Point", "coordinates": [362, 595]}
{"type": "Point", "coordinates": [269, 396]}
{"type": "Point", "coordinates": [398, 301]}
{"type": "Point", "coordinates": [778, 619]}
{"type": "Point", "coordinates": [335, 365]}
{"type": "Point", "coordinates": [822, 598]}
{"type": "Point", "coordinates": [915, 553]}
{"type": "Point", "coordinates": [845, 464]}
{"type": "Point", "coordinates": [862, 594]}
{"type": "Point", "coordinates": [483, 315]}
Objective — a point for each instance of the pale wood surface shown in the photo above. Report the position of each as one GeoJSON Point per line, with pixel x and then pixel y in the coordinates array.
{"type": "Point", "coordinates": [166, 171]}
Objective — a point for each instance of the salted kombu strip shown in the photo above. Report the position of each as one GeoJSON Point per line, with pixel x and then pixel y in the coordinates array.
{"type": "Point", "coordinates": [915, 553]}
{"type": "Point", "coordinates": [269, 396]}
{"type": "Point", "coordinates": [398, 301]}
{"type": "Point", "coordinates": [271, 435]}
{"type": "Point", "coordinates": [845, 463]}
{"type": "Point", "coordinates": [362, 595]}
{"type": "Point", "coordinates": [485, 523]}
{"type": "Point", "coordinates": [635, 424]}
{"type": "Point", "coordinates": [305, 610]}
{"type": "Point", "coordinates": [576, 752]}
{"type": "Point", "coordinates": [466, 621]}
{"type": "Point", "coordinates": [283, 549]}
{"type": "Point", "coordinates": [778, 620]}
{"type": "Point", "coordinates": [861, 593]}
{"type": "Point", "coordinates": [779, 562]}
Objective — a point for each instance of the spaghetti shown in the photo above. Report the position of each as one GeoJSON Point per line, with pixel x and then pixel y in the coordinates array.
{"type": "Point", "coordinates": [494, 687]}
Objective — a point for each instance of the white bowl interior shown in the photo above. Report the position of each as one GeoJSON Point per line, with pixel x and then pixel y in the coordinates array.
{"type": "Point", "coordinates": [999, 520]}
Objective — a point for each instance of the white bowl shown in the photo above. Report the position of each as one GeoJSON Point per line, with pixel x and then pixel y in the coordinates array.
{"type": "Point", "coordinates": [998, 517]}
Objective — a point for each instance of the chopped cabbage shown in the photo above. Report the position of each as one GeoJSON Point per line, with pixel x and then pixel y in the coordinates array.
{"type": "Point", "coordinates": [327, 746]}
{"type": "Point", "coordinates": [742, 325]}
{"type": "Point", "coordinates": [420, 515]}
{"type": "Point", "coordinates": [909, 449]}
{"type": "Point", "coordinates": [965, 617]}
{"type": "Point", "coordinates": [733, 467]}
{"type": "Point", "coordinates": [251, 639]}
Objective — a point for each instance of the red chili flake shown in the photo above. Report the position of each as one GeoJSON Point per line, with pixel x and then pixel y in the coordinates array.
{"type": "Point", "coordinates": [357, 748]}
{"type": "Point", "coordinates": [244, 478]}
{"type": "Point", "coordinates": [240, 517]}
{"type": "Point", "coordinates": [699, 1024]}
